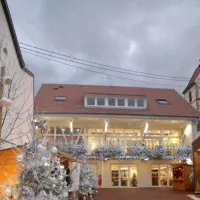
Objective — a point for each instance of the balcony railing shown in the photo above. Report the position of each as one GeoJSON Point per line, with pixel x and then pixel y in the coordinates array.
{"type": "Point", "coordinates": [142, 152]}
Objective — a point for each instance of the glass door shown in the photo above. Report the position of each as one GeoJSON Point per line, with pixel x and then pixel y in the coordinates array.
{"type": "Point", "coordinates": [170, 176]}
{"type": "Point", "coordinates": [154, 175]}
{"type": "Point", "coordinates": [114, 175]}
{"type": "Point", "coordinates": [163, 175]}
{"type": "Point", "coordinates": [124, 176]}
{"type": "Point", "coordinates": [133, 176]}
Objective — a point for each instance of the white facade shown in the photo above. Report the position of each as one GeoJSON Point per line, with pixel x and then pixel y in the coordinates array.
{"type": "Point", "coordinates": [119, 173]}
{"type": "Point", "coordinates": [15, 128]}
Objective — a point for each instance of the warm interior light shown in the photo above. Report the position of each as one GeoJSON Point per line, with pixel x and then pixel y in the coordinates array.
{"type": "Point", "coordinates": [124, 168]}
{"type": "Point", "coordinates": [189, 161]}
{"type": "Point", "coordinates": [146, 127]}
{"type": "Point", "coordinates": [71, 125]}
{"type": "Point", "coordinates": [106, 126]}
{"type": "Point", "coordinates": [188, 130]}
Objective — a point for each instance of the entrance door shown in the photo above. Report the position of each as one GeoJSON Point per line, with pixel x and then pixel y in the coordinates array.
{"type": "Point", "coordinates": [114, 175]}
{"type": "Point", "coordinates": [133, 175]}
{"type": "Point", "coordinates": [154, 175]}
{"type": "Point", "coordinates": [161, 175]}
{"type": "Point", "coordinates": [124, 176]}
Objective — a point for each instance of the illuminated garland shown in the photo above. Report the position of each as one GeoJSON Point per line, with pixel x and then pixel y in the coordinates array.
{"type": "Point", "coordinates": [108, 151]}
{"type": "Point", "coordinates": [140, 152]}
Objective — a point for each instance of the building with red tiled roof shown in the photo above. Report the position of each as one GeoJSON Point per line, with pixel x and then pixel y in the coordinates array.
{"type": "Point", "coordinates": [115, 116]}
{"type": "Point", "coordinates": [74, 102]}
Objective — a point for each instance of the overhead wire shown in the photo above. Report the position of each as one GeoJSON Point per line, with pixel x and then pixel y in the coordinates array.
{"type": "Point", "coordinates": [98, 72]}
{"type": "Point", "coordinates": [108, 67]}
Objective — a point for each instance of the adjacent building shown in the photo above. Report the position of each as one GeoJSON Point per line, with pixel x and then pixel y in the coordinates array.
{"type": "Point", "coordinates": [126, 116]}
{"type": "Point", "coordinates": [16, 97]}
{"type": "Point", "coordinates": [192, 90]}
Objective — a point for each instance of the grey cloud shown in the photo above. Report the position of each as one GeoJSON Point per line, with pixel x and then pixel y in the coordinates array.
{"type": "Point", "coordinates": [164, 36]}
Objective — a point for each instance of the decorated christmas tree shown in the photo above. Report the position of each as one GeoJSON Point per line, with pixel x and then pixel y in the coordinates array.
{"type": "Point", "coordinates": [87, 181]}
{"type": "Point", "coordinates": [84, 180]}
{"type": "Point", "coordinates": [42, 176]}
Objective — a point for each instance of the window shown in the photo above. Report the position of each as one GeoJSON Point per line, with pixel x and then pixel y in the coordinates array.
{"type": "Point", "coordinates": [60, 98]}
{"type": "Point", "coordinates": [90, 101]}
{"type": "Point", "coordinates": [131, 102]}
{"type": "Point", "coordinates": [162, 101]}
{"type": "Point", "coordinates": [140, 103]}
{"type": "Point", "coordinates": [120, 102]}
{"type": "Point", "coordinates": [100, 101]}
{"type": "Point", "coordinates": [190, 96]}
{"type": "Point", "coordinates": [111, 102]}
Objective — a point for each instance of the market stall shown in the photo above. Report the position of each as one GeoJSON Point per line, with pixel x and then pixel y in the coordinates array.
{"type": "Point", "coordinates": [196, 164]}
{"type": "Point", "coordinates": [181, 177]}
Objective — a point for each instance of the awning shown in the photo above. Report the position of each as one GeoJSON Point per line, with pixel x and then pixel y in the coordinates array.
{"type": "Point", "coordinates": [66, 156]}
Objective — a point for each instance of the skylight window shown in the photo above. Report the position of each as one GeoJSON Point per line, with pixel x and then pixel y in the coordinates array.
{"type": "Point", "coordinates": [60, 98]}
{"type": "Point", "coordinates": [162, 101]}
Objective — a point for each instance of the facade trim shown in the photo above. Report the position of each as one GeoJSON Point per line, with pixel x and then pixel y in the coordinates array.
{"type": "Point", "coordinates": [118, 115]}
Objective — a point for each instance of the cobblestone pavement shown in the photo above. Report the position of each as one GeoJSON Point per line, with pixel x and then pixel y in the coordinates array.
{"type": "Point", "coordinates": [141, 194]}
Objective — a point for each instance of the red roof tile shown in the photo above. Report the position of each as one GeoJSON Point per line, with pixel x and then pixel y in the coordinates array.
{"type": "Point", "coordinates": [193, 78]}
{"type": "Point", "coordinates": [177, 107]}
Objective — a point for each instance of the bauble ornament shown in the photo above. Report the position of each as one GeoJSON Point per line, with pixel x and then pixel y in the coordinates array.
{"type": "Point", "coordinates": [20, 158]}
{"type": "Point", "coordinates": [54, 150]}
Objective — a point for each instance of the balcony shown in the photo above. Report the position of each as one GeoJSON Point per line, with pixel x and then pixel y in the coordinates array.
{"type": "Point", "coordinates": [141, 152]}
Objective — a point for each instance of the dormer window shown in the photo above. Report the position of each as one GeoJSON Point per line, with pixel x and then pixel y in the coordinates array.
{"type": "Point", "coordinates": [162, 101]}
{"type": "Point", "coordinates": [91, 101]}
{"type": "Point", "coordinates": [100, 101]}
{"type": "Point", "coordinates": [131, 102]}
{"type": "Point", "coordinates": [140, 103]}
{"type": "Point", "coordinates": [60, 98]}
{"type": "Point", "coordinates": [111, 102]}
{"type": "Point", "coordinates": [120, 102]}
{"type": "Point", "coordinates": [115, 102]}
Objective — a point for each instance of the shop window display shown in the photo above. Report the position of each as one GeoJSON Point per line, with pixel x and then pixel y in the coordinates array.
{"type": "Point", "coordinates": [161, 175]}
{"type": "Point", "coordinates": [181, 176]}
{"type": "Point", "coordinates": [124, 176]}
{"type": "Point", "coordinates": [178, 173]}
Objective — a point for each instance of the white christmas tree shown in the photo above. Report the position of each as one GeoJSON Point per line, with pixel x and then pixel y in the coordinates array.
{"type": "Point", "coordinates": [42, 176]}
{"type": "Point", "coordinates": [88, 180]}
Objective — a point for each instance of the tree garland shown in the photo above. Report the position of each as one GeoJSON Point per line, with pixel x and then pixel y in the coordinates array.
{"type": "Point", "coordinates": [108, 150]}
{"type": "Point", "coordinates": [139, 152]}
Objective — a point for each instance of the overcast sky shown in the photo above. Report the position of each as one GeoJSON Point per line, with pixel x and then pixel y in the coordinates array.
{"type": "Point", "coordinates": [152, 36]}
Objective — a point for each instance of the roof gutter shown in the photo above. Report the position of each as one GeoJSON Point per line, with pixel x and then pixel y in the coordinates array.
{"type": "Point", "coordinates": [56, 114]}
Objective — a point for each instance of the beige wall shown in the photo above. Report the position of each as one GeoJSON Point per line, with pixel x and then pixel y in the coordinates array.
{"type": "Point", "coordinates": [16, 122]}
{"type": "Point", "coordinates": [194, 96]}
{"type": "Point", "coordinates": [143, 169]}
